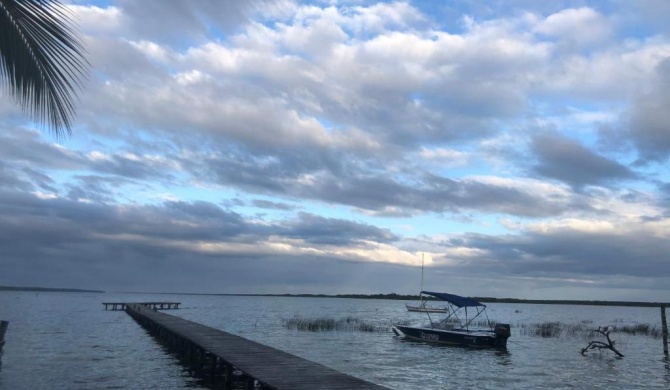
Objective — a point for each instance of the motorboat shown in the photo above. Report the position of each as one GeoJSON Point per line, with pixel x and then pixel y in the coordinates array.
{"type": "Point", "coordinates": [458, 327]}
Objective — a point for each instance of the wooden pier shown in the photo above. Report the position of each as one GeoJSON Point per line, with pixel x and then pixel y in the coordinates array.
{"type": "Point", "coordinates": [235, 359]}
{"type": "Point", "coordinates": [152, 305]}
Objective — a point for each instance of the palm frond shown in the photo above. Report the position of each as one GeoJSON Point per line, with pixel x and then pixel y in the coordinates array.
{"type": "Point", "coordinates": [42, 60]}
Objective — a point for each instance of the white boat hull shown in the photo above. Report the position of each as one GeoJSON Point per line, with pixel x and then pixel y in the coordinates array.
{"type": "Point", "coordinates": [427, 309]}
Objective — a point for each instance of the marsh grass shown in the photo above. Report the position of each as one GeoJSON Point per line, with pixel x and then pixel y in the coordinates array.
{"type": "Point", "coordinates": [640, 329]}
{"type": "Point", "coordinates": [551, 329]}
{"type": "Point", "coordinates": [544, 329]}
{"type": "Point", "coordinates": [351, 324]}
{"type": "Point", "coordinates": [583, 330]}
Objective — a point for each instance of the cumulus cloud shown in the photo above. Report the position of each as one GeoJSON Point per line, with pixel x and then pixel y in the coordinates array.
{"type": "Point", "coordinates": [575, 27]}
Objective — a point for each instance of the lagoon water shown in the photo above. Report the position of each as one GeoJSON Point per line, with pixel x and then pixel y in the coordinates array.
{"type": "Point", "coordinates": [68, 341]}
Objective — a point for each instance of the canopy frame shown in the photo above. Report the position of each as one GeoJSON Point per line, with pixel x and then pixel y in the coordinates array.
{"type": "Point", "coordinates": [455, 304]}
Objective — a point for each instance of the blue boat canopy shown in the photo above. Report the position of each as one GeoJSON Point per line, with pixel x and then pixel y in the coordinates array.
{"type": "Point", "coordinates": [454, 299]}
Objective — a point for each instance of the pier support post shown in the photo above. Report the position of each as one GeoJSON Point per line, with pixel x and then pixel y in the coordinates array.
{"type": "Point", "coordinates": [189, 353]}
{"type": "Point", "coordinates": [229, 376]}
{"type": "Point", "coordinates": [664, 325]}
{"type": "Point", "coordinates": [213, 366]}
{"type": "Point", "coordinates": [3, 329]}
{"type": "Point", "coordinates": [250, 383]}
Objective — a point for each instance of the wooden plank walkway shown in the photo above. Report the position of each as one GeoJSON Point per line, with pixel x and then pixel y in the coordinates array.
{"type": "Point", "coordinates": [272, 368]}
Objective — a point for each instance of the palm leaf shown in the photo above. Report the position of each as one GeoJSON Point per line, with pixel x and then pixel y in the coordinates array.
{"type": "Point", "coordinates": [42, 60]}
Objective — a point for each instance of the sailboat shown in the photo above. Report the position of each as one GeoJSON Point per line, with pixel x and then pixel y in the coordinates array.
{"type": "Point", "coordinates": [422, 307]}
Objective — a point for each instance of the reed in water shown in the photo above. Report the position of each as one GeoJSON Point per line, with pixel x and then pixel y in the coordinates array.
{"type": "Point", "coordinates": [584, 330]}
{"type": "Point", "coordinates": [317, 324]}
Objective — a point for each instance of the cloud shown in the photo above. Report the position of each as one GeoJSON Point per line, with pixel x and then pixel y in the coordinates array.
{"type": "Point", "coordinates": [566, 160]}
{"type": "Point", "coordinates": [266, 204]}
{"type": "Point", "coordinates": [24, 147]}
{"type": "Point", "coordinates": [576, 27]}
{"type": "Point", "coordinates": [282, 146]}
{"type": "Point", "coordinates": [87, 238]}
{"type": "Point", "coordinates": [178, 22]}
{"type": "Point", "coordinates": [331, 179]}
{"type": "Point", "coordinates": [649, 118]}
{"type": "Point", "coordinates": [595, 252]}
{"type": "Point", "coordinates": [319, 230]}
{"type": "Point", "coordinates": [94, 20]}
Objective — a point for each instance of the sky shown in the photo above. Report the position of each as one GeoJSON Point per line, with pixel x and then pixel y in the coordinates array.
{"type": "Point", "coordinates": [515, 148]}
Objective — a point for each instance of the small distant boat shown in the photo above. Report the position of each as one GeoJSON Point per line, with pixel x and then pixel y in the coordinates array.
{"type": "Point", "coordinates": [454, 331]}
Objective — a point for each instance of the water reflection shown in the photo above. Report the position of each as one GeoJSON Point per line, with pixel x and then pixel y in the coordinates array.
{"type": "Point", "coordinates": [505, 358]}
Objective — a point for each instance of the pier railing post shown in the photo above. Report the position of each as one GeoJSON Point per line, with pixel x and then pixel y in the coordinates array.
{"type": "Point", "coordinates": [664, 325]}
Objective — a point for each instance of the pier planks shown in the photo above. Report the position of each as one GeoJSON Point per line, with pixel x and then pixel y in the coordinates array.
{"type": "Point", "coordinates": [275, 369]}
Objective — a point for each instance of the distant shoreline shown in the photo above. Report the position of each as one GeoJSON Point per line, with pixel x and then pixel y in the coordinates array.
{"type": "Point", "coordinates": [47, 289]}
{"type": "Point", "coordinates": [399, 297]}
{"type": "Point", "coordinates": [391, 296]}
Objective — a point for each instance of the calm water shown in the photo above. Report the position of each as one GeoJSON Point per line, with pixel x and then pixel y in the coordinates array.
{"type": "Point", "coordinates": [67, 341]}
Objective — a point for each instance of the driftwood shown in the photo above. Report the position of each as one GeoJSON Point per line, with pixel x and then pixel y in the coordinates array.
{"type": "Point", "coordinates": [605, 331]}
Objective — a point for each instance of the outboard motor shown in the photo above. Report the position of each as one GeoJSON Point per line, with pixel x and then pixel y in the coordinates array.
{"type": "Point", "coordinates": [502, 333]}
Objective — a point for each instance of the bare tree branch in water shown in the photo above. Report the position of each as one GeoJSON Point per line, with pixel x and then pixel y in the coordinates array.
{"type": "Point", "coordinates": [605, 331]}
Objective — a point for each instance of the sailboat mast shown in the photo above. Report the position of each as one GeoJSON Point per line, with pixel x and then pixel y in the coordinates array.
{"type": "Point", "coordinates": [422, 271]}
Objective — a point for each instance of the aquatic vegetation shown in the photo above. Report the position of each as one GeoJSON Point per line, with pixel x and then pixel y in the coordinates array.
{"type": "Point", "coordinates": [544, 329]}
{"type": "Point", "coordinates": [349, 323]}
{"type": "Point", "coordinates": [640, 329]}
{"type": "Point", "coordinates": [557, 329]}
{"type": "Point", "coordinates": [583, 330]}
{"type": "Point", "coordinates": [550, 329]}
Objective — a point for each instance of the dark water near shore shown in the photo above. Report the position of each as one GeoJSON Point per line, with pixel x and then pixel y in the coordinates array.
{"type": "Point", "coordinates": [68, 341]}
